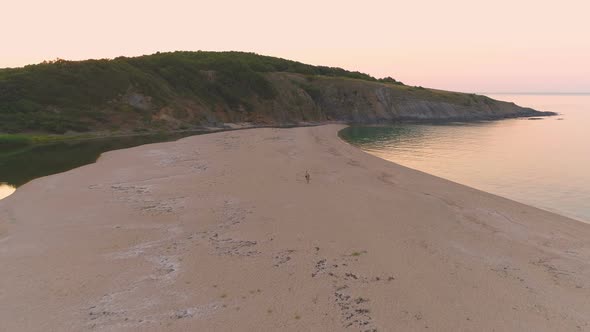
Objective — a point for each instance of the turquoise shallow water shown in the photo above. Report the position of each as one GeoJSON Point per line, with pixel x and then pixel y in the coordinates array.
{"type": "Point", "coordinates": [544, 163]}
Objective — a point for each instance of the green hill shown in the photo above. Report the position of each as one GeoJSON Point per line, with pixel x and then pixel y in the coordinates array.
{"type": "Point", "coordinates": [182, 90]}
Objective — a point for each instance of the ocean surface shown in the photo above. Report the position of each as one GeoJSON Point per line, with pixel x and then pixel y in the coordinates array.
{"type": "Point", "coordinates": [544, 163]}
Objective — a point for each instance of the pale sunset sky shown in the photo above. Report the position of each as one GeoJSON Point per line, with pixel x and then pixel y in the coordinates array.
{"type": "Point", "coordinates": [471, 46]}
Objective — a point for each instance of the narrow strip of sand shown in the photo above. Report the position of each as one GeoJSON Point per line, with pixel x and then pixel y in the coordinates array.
{"type": "Point", "coordinates": [222, 232]}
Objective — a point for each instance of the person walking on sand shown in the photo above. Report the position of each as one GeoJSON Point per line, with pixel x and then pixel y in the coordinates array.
{"type": "Point", "coordinates": [307, 177]}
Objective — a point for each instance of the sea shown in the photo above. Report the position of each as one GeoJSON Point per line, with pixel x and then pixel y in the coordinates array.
{"type": "Point", "coordinates": [543, 162]}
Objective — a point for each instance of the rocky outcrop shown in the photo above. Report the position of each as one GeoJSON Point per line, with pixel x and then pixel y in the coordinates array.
{"type": "Point", "coordinates": [372, 102]}
{"type": "Point", "coordinates": [302, 99]}
{"type": "Point", "coordinates": [182, 90]}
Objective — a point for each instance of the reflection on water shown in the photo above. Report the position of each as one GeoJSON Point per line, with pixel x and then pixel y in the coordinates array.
{"type": "Point", "coordinates": [6, 190]}
{"type": "Point", "coordinates": [545, 163]}
{"type": "Point", "coordinates": [22, 164]}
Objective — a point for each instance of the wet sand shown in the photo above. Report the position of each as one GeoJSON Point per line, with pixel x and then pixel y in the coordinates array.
{"type": "Point", "coordinates": [221, 232]}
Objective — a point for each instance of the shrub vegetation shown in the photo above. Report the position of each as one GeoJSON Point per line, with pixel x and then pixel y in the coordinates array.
{"type": "Point", "coordinates": [60, 96]}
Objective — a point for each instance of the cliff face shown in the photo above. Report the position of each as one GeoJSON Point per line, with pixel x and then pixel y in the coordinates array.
{"type": "Point", "coordinates": [372, 102]}
{"type": "Point", "coordinates": [304, 99]}
{"type": "Point", "coordinates": [183, 90]}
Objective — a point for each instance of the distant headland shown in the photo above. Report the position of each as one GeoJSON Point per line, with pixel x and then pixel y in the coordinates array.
{"type": "Point", "coordinates": [187, 90]}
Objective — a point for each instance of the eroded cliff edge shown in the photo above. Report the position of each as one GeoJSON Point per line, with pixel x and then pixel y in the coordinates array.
{"type": "Point", "coordinates": [183, 90]}
{"type": "Point", "coordinates": [356, 101]}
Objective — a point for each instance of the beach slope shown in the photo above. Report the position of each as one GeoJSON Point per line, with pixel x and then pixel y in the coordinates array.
{"type": "Point", "coordinates": [222, 232]}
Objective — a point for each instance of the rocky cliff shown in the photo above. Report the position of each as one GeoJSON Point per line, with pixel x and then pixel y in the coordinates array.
{"type": "Point", "coordinates": [183, 90]}
{"type": "Point", "coordinates": [359, 101]}
{"type": "Point", "coordinates": [302, 98]}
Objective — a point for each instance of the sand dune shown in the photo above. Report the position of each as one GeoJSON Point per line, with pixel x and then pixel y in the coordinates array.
{"type": "Point", "coordinates": [221, 232]}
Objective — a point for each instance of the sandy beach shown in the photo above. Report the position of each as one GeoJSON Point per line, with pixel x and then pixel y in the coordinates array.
{"type": "Point", "coordinates": [221, 232]}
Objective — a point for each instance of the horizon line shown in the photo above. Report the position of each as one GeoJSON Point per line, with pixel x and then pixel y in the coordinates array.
{"type": "Point", "coordinates": [534, 93]}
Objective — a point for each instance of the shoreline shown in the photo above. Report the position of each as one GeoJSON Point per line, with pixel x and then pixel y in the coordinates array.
{"type": "Point", "coordinates": [20, 144]}
{"type": "Point", "coordinates": [48, 138]}
{"type": "Point", "coordinates": [220, 231]}
{"type": "Point", "coordinates": [547, 209]}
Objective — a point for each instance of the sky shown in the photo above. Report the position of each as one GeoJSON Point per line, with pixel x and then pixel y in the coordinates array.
{"type": "Point", "coordinates": [470, 46]}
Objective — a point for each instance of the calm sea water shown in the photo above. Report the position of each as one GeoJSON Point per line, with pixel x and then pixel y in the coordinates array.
{"type": "Point", "coordinates": [544, 163]}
